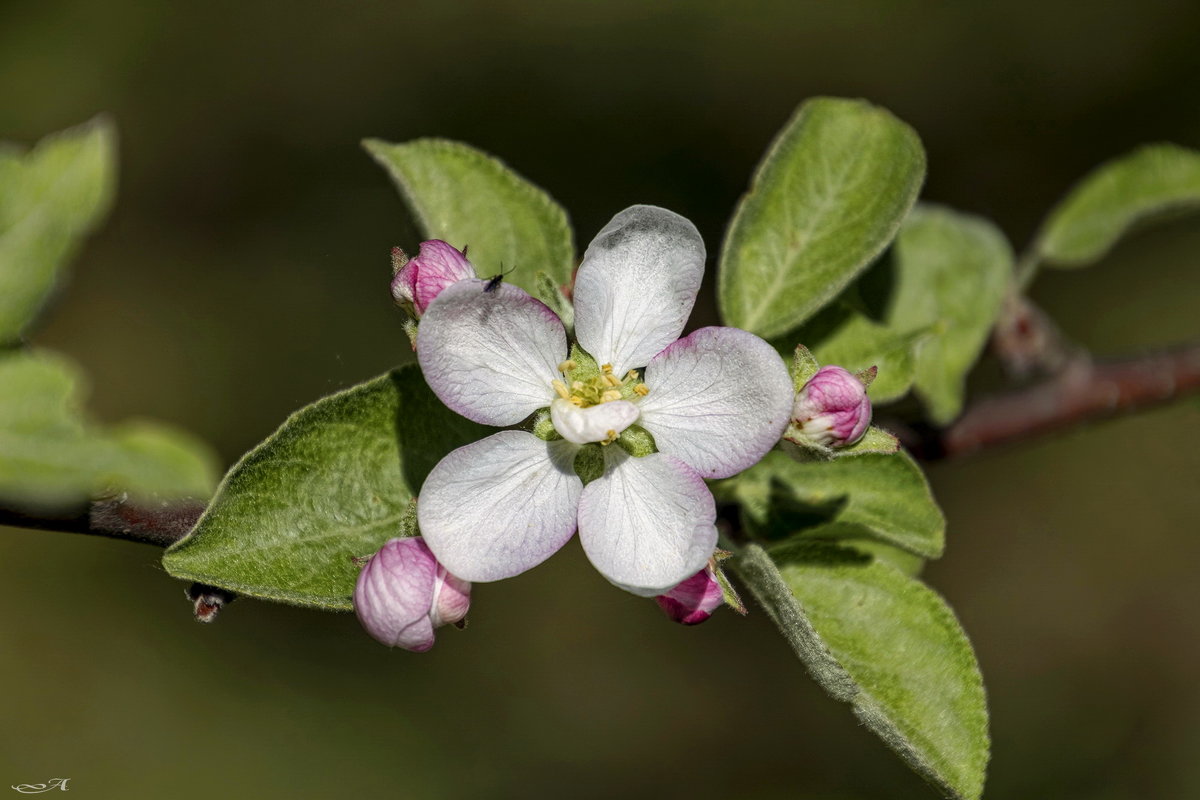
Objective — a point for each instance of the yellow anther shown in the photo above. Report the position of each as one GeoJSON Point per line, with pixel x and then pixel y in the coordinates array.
{"type": "Point", "coordinates": [576, 400]}
{"type": "Point", "coordinates": [610, 395]}
{"type": "Point", "coordinates": [606, 369]}
{"type": "Point", "coordinates": [631, 375]}
{"type": "Point", "coordinates": [641, 389]}
{"type": "Point", "coordinates": [560, 388]}
{"type": "Point", "coordinates": [577, 386]}
{"type": "Point", "coordinates": [567, 366]}
{"type": "Point", "coordinates": [611, 436]}
{"type": "Point", "coordinates": [611, 379]}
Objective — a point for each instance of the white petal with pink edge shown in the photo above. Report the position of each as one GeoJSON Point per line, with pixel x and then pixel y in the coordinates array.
{"type": "Point", "coordinates": [502, 505]}
{"type": "Point", "coordinates": [637, 285]}
{"type": "Point", "coordinates": [648, 523]}
{"type": "Point", "coordinates": [490, 355]}
{"type": "Point", "coordinates": [719, 399]}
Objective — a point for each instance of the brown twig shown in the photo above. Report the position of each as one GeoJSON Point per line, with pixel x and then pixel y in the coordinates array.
{"type": "Point", "coordinates": [1084, 391]}
{"type": "Point", "coordinates": [158, 522]}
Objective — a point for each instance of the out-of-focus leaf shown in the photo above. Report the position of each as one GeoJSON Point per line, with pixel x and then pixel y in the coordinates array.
{"type": "Point", "coordinates": [877, 496]}
{"type": "Point", "coordinates": [467, 198]}
{"type": "Point", "coordinates": [885, 643]}
{"type": "Point", "coordinates": [1152, 181]}
{"type": "Point", "coordinates": [49, 198]}
{"type": "Point", "coordinates": [827, 198]}
{"type": "Point", "coordinates": [334, 482]}
{"type": "Point", "coordinates": [952, 271]}
{"type": "Point", "coordinates": [52, 457]}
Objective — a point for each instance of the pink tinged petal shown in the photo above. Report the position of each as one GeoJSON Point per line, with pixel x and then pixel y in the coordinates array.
{"type": "Point", "coordinates": [637, 285]}
{"type": "Point", "coordinates": [694, 600]}
{"type": "Point", "coordinates": [490, 355]}
{"type": "Point", "coordinates": [647, 523]}
{"type": "Point", "coordinates": [438, 265]}
{"type": "Point", "coordinates": [404, 285]}
{"type": "Point", "coordinates": [394, 594]}
{"type": "Point", "coordinates": [833, 408]}
{"type": "Point", "coordinates": [719, 399]}
{"type": "Point", "coordinates": [495, 508]}
{"type": "Point", "coordinates": [594, 423]}
{"type": "Point", "coordinates": [451, 599]}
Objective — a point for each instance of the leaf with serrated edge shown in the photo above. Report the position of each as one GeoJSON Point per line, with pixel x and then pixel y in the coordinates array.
{"type": "Point", "coordinates": [882, 496]}
{"type": "Point", "coordinates": [466, 197]}
{"type": "Point", "coordinates": [827, 198]}
{"type": "Point", "coordinates": [889, 646]}
{"type": "Point", "coordinates": [334, 482]}
{"type": "Point", "coordinates": [1154, 180]}
{"type": "Point", "coordinates": [49, 198]}
{"type": "Point", "coordinates": [952, 273]}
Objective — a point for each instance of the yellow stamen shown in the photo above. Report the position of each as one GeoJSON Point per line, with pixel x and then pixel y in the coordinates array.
{"type": "Point", "coordinates": [566, 366]}
{"type": "Point", "coordinates": [610, 395]}
{"type": "Point", "coordinates": [609, 438]}
{"type": "Point", "coordinates": [641, 389]}
{"type": "Point", "coordinates": [577, 386]}
{"type": "Point", "coordinates": [631, 375]}
{"type": "Point", "coordinates": [611, 379]}
{"type": "Point", "coordinates": [606, 369]}
{"type": "Point", "coordinates": [576, 400]}
{"type": "Point", "coordinates": [561, 389]}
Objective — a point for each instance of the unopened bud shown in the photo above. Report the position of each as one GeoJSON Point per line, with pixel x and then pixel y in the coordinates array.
{"type": "Point", "coordinates": [420, 279]}
{"type": "Point", "coordinates": [694, 600]}
{"type": "Point", "coordinates": [832, 409]}
{"type": "Point", "coordinates": [403, 594]}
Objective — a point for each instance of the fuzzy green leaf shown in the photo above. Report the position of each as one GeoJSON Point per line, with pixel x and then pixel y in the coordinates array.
{"type": "Point", "coordinates": [334, 482]}
{"type": "Point", "coordinates": [885, 643]}
{"type": "Point", "coordinates": [952, 272]}
{"type": "Point", "coordinates": [49, 198]}
{"type": "Point", "coordinates": [52, 457]}
{"type": "Point", "coordinates": [465, 197]}
{"type": "Point", "coordinates": [1152, 181]}
{"type": "Point", "coordinates": [878, 496]}
{"type": "Point", "coordinates": [827, 198]}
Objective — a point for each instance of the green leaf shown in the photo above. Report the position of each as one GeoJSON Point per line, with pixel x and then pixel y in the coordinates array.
{"type": "Point", "coordinates": [951, 272]}
{"type": "Point", "coordinates": [150, 458]}
{"type": "Point", "coordinates": [875, 440]}
{"type": "Point", "coordinates": [466, 197]}
{"type": "Point", "coordinates": [883, 497]}
{"type": "Point", "coordinates": [1152, 181]}
{"type": "Point", "coordinates": [52, 457]}
{"type": "Point", "coordinates": [49, 198]}
{"type": "Point", "coordinates": [888, 645]}
{"type": "Point", "coordinates": [858, 343]}
{"type": "Point", "coordinates": [827, 198]}
{"type": "Point", "coordinates": [334, 482]}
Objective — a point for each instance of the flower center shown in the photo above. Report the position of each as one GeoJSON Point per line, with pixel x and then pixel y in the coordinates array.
{"type": "Point", "coordinates": [596, 409]}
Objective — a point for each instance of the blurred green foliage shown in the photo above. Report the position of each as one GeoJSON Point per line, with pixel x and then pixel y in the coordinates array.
{"type": "Point", "coordinates": [243, 273]}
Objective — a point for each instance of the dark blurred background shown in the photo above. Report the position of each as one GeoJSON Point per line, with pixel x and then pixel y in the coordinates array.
{"type": "Point", "coordinates": [244, 271]}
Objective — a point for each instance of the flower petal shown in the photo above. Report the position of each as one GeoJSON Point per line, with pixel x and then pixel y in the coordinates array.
{"type": "Point", "coordinates": [648, 523]}
{"type": "Point", "coordinates": [438, 265]}
{"type": "Point", "coordinates": [490, 355]}
{"type": "Point", "coordinates": [594, 423]}
{"type": "Point", "coordinates": [719, 399]}
{"type": "Point", "coordinates": [495, 508]}
{"type": "Point", "coordinates": [637, 285]}
{"type": "Point", "coordinates": [394, 592]}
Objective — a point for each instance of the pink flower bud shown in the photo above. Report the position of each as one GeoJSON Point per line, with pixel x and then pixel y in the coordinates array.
{"type": "Point", "coordinates": [403, 593]}
{"type": "Point", "coordinates": [694, 600]}
{"type": "Point", "coordinates": [833, 408]}
{"type": "Point", "coordinates": [436, 266]}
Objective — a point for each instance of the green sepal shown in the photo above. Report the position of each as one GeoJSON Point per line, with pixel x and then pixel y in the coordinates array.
{"type": "Point", "coordinates": [637, 441]}
{"type": "Point", "coordinates": [589, 462]}
{"type": "Point", "coordinates": [550, 293]}
{"type": "Point", "coordinates": [804, 365]}
{"type": "Point", "coordinates": [801, 448]}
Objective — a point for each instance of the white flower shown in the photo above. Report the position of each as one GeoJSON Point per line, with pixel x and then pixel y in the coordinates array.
{"type": "Point", "coordinates": [715, 402]}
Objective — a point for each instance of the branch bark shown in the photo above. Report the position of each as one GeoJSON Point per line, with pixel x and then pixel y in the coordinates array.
{"type": "Point", "coordinates": [1084, 391]}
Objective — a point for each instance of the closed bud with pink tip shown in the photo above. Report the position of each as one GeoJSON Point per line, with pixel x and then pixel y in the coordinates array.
{"type": "Point", "coordinates": [832, 410]}
{"type": "Point", "coordinates": [403, 594]}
